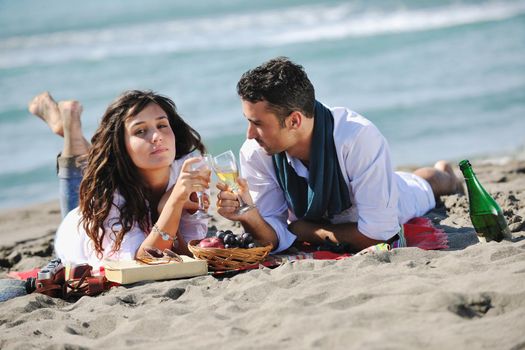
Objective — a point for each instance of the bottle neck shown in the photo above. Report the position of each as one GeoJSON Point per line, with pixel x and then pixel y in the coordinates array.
{"type": "Point", "coordinates": [467, 170]}
{"type": "Point", "coordinates": [468, 173]}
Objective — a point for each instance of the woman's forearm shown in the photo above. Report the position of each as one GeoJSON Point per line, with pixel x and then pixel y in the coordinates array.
{"type": "Point", "coordinates": [168, 222]}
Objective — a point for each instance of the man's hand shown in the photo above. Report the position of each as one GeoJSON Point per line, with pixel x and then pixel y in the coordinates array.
{"type": "Point", "coordinates": [346, 233]}
{"type": "Point", "coordinates": [252, 221]}
{"type": "Point", "coordinates": [227, 202]}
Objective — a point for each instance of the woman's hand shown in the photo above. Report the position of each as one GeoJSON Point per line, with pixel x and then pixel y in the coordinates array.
{"type": "Point", "coordinates": [189, 182]}
{"type": "Point", "coordinates": [172, 204]}
{"type": "Point", "coordinates": [191, 205]}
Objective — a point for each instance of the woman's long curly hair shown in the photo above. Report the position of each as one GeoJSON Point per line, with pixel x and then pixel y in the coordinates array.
{"type": "Point", "coordinates": [110, 168]}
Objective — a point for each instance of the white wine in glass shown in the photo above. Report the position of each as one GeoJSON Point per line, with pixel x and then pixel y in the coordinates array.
{"type": "Point", "coordinates": [229, 179]}
{"type": "Point", "coordinates": [225, 167]}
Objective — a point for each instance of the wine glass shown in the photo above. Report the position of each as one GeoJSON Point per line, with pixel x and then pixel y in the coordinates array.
{"type": "Point", "coordinates": [225, 167]}
{"type": "Point", "coordinates": [204, 163]}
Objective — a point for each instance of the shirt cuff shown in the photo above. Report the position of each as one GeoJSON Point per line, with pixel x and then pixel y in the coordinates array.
{"type": "Point", "coordinates": [284, 237]}
{"type": "Point", "coordinates": [378, 225]}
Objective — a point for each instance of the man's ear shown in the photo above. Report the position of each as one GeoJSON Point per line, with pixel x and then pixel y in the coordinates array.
{"type": "Point", "coordinates": [296, 119]}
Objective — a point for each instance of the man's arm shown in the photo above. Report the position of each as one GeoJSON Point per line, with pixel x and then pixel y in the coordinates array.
{"type": "Point", "coordinates": [346, 233]}
{"type": "Point", "coordinates": [365, 161]}
{"type": "Point", "coordinates": [252, 221]}
{"type": "Point", "coordinates": [257, 168]}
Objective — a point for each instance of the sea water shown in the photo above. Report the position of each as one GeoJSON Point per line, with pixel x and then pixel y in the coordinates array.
{"type": "Point", "coordinates": [441, 79]}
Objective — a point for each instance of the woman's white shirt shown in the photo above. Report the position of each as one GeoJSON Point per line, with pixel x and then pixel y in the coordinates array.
{"type": "Point", "coordinates": [72, 245]}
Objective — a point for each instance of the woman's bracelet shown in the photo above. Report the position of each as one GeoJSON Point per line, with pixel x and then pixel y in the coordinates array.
{"type": "Point", "coordinates": [165, 236]}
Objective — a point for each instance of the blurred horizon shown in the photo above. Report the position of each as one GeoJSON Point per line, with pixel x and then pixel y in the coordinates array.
{"type": "Point", "coordinates": [440, 79]}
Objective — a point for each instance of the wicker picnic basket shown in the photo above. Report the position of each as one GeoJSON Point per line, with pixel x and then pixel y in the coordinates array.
{"type": "Point", "coordinates": [231, 258]}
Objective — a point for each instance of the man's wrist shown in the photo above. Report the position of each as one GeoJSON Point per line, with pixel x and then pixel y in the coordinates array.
{"type": "Point", "coordinates": [251, 217]}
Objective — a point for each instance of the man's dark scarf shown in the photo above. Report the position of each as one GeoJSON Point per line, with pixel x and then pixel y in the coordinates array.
{"type": "Point", "coordinates": [325, 192]}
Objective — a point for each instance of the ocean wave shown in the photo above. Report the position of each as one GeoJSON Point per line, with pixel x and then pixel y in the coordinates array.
{"type": "Point", "coordinates": [263, 29]}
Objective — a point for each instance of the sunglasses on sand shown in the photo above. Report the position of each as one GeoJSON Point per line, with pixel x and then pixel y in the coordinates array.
{"type": "Point", "coordinates": [155, 256]}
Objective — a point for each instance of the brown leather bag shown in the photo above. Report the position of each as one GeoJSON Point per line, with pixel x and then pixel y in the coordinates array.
{"type": "Point", "coordinates": [54, 287]}
{"type": "Point", "coordinates": [81, 282]}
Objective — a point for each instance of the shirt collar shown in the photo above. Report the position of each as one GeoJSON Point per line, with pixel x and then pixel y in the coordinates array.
{"type": "Point", "coordinates": [297, 165]}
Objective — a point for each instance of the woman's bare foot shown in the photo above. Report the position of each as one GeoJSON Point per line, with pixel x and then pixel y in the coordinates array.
{"type": "Point", "coordinates": [74, 142]}
{"type": "Point", "coordinates": [69, 112]}
{"type": "Point", "coordinates": [447, 168]}
{"type": "Point", "coordinates": [44, 106]}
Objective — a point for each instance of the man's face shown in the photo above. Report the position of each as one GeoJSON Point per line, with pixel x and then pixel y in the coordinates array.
{"type": "Point", "coordinates": [264, 127]}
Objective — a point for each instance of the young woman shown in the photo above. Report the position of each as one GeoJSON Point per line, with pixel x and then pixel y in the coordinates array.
{"type": "Point", "coordinates": [133, 183]}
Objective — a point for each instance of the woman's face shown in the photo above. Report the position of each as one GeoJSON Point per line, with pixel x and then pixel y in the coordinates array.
{"type": "Point", "coordinates": [149, 139]}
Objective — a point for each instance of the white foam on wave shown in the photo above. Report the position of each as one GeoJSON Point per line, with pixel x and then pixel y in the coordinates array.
{"type": "Point", "coordinates": [271, 28]}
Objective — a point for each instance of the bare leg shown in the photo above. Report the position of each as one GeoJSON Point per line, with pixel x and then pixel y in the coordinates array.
{"type": "Point", "coordinates": [442, 179]}
{"type": "Point", "coordinates": [44, 106]}
{"type": "Point", "coordinates": [64, 120]}
{"type": "Point", "coordinates": [70, 163]}
{"type": "Point", "coordinates": [75, 144]}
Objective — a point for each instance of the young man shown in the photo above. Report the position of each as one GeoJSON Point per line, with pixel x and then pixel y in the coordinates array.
{"type": "Point", "coordinates": [318, 173]}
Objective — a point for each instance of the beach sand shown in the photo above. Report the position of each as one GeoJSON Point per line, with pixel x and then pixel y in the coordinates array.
{"type": "Point", "coordinates": [470, 296]}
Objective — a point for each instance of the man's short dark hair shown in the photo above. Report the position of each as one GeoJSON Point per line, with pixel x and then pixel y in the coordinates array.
{"type": "Point", "coordinates": [283, 84]}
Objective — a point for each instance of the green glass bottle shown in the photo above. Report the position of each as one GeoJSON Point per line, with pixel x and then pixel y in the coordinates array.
{"type": "Point", "coordinates": [486, 215]}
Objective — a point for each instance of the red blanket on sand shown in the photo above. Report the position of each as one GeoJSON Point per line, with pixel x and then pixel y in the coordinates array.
{"type": "Point", "coordinates": [419, 232]}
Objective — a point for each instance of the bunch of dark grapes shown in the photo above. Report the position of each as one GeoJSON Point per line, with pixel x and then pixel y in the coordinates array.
{"type": "Point", "coordinates": [232, 240]}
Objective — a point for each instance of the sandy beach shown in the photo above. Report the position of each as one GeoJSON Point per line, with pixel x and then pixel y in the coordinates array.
{"type": "Point", "coordinates": [470, 296]}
